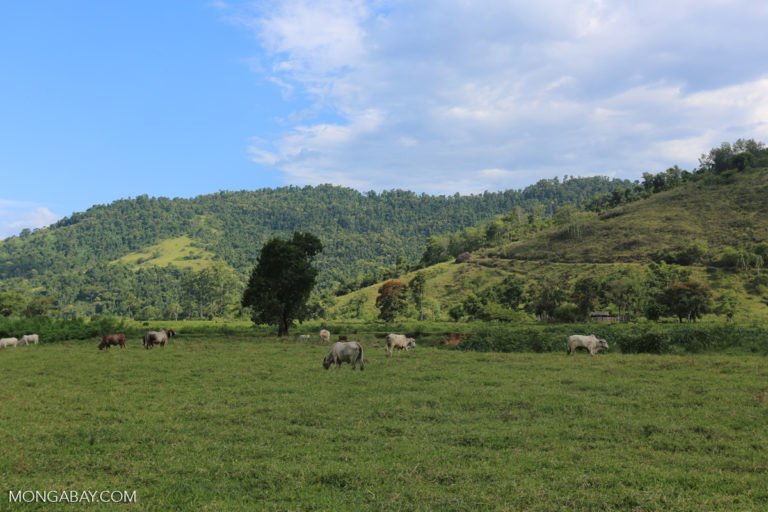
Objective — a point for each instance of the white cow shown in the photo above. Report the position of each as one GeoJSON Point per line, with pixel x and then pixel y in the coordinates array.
{"type": "Point", "coordinates": [29, 339]}
{"type": "Point", "coordinates": [8, 342]}
{"type": "Point", "coordinates": [325, 336]}
{"type": "Point", "coordinates": [345, 352]}
{"type": "Point", "coordinates": [591, 343]}
{"type": "Point", "coordinates": [399, 342]}
{"type": "Point", "coordinates": [304, 337]}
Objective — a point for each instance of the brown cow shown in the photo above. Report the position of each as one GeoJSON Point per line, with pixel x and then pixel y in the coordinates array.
{"type": "Point", "coordinates": [112, 339]}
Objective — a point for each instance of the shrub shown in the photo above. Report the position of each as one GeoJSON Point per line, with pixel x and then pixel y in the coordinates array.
{"type": "Point", "coordinates": [567, 312]}
{"type": "Point", "coordinates": [56, 329]}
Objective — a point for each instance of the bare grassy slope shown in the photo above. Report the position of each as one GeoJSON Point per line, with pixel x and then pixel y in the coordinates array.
{"type": "Point", "coordinates": [726, 210]}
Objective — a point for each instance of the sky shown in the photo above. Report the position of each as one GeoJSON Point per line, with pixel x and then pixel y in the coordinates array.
{"type": "Point", "coordinates": [101, 101]}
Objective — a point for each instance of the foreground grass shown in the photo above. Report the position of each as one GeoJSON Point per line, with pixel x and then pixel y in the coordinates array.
{"type": "Point", "coordinates": [237, 424]}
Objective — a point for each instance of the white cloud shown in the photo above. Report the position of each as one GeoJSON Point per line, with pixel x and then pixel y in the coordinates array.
{"type": "Point", "coordinates": [421, 95]}
{"type": "Point", "coordinates": [18, 215]}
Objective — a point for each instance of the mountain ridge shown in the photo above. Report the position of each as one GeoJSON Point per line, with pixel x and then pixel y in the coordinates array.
{"type": "Point", "coordinates": [73, 260]}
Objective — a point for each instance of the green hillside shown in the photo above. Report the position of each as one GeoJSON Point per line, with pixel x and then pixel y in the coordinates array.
{"type": "Point", "coordinates": [718, 222]}
{"type": "Point", "coordinates": [721, 211]}
{"type": "Point", "coordinates": [149, 257]}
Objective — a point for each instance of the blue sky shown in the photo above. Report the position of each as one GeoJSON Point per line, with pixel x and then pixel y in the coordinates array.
{"type": "Point", "coordinates": [107, 100]}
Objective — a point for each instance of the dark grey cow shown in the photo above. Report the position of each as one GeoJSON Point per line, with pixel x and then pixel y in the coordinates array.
{"type": "Point", "coordinates": [345, 352]}
{"type": "Point", "coordinates": [160, 337]}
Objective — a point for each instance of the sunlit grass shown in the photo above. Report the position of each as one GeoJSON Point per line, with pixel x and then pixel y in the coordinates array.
{"type": "Point", "coordinates": [240, 423]}
{"type": "Point", "coordinates": [179, 252]}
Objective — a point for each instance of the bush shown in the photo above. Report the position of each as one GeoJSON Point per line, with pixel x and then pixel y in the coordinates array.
{"type": "Point", "coordinates": [57, 329]}
{"type": "Point", "coordinates": [643, 337]}
{"type": "Point", "coordinates": [567, 312]}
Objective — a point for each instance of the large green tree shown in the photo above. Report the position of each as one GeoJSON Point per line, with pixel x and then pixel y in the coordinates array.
{"type": "Point", "coordinates": [282, 280]}
{"type": "Point", "coordinates": [687, 300]}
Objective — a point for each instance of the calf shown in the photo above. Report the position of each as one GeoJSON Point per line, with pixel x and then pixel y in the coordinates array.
{"type": "Point", "coordinates": [399, 342]}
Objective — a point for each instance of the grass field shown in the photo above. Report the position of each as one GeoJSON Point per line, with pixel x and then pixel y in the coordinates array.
{"type": "Point", "coordinates": [256, 424]}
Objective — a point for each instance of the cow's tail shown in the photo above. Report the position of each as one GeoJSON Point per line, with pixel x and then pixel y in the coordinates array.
{"type": "Point", "coordinates": [362, 359]}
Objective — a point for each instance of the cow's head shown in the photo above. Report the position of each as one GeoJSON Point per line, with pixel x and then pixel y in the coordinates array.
{"type": "Point", "coordinates": [327, 360]}
{"type": "Point", "coordinates": [410, 342]}
{"type": "Point", "coordinates": [602, 343]}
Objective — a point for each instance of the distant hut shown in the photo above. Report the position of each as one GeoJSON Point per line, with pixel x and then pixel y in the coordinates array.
{"type": "Point", "coordinates": [604, 316]}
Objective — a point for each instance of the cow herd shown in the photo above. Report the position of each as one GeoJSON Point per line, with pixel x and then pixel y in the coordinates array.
{"type": "Point", "coordinates": [343, 351]}
{"type": "Point", "coordinates": [27, 339]}
{"type": "Point", "coordinates": [351, 352]}
{"type": "Point", "coordinates": [149, 340]}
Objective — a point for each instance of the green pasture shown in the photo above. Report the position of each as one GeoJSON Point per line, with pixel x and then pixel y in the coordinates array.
{"type": "Point", "coordinates": [239, 422]}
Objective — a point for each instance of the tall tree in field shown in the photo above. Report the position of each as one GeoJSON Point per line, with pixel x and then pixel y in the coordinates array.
{"type": "Point", "coordinates": [282, 280]}
{"type": "Point", "coordinates": [392, 299]}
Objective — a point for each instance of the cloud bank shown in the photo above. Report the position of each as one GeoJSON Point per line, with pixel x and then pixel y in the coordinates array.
{"type": "Point", "coordinates": [18, 215]}
{"type": "Point", "coordinates": [453, 95]}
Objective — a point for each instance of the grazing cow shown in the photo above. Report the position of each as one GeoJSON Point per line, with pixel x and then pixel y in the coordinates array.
{"type": "Point", "coordinates": [158, 337]}
{"type": "Point", "coordinates": [343, 337]}
{"type": "Point", "coordinates": [8, 342]}
{"type": "Point", "coordinates": [304, 337]}
{"type": "Point", "coordinates": [399, 342]}
{"type": "Point", "coordinates": [29, 339]}
{"type": "Point", "coordinates": [345, 352]}
{"type": "Point", "coordinates": [112, 339]}
{"type": "Point", "coordinates": [325, 336]}
{"type": "Point", "coordinates": [591, 343]}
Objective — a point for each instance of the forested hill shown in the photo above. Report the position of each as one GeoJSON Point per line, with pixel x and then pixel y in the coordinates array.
{"type": "Point", "coordinates": [87, 257]}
